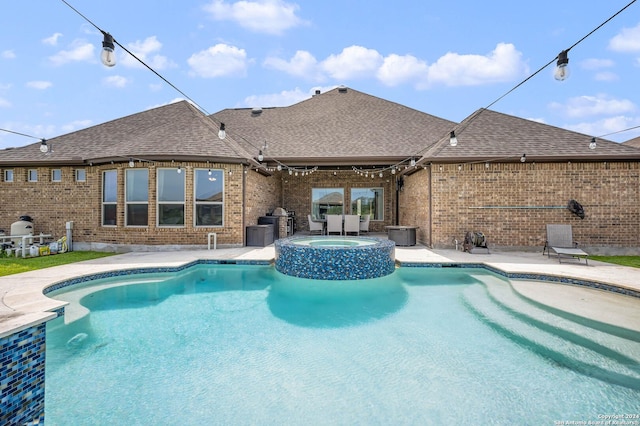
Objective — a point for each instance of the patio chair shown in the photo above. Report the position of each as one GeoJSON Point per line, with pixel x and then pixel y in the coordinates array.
{"type": "Point", "coordinates": [364, 224]}
{"type": "Point", "coordinates": [315, 226]}
{"type": "Point", "coordinates": [352, 224]}
{"type": "Point", "coordinates": [560, 242]}
{"type": "Point", "coordinates": [334, 223]}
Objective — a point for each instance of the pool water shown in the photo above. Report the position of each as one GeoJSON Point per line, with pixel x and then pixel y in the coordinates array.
{"type": "Point", "coordinates": [232, 344]}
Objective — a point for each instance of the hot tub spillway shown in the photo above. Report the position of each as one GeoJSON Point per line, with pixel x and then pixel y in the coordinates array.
{"type": "Point", "coordinates": [335, 258]}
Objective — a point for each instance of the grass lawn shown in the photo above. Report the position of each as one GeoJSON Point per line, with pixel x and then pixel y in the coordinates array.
{"type": "Point", "coordinates": [633, 261]}
{"type": "Point", "coordinates": [16, 265]}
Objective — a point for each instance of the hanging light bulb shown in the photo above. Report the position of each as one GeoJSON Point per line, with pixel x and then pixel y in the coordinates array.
{"type": "Point", "coordinates": [413, 162]}
{"type": "Point", "coordinates": [279, 167]}
{"type": "Point", "coordinates": [561, 72]}
{"type": "Point", "coordinates": [222, 133]}
{"type": "Point", "coordinates": [380, 174]}
{"type": "Point", "coordinates": [108, 56]}
{"type": "Point", "coordinates": [523, 158]}
{"type": "Point", "coordinates": [453, 140]}
{"type": "Point", "coordinates": [131, 163]}
{"type": "Point", "coordinates": [260, 156]}
{"type": "Point", "coordinates": [290, 172]}
{"type": "Point", "coordinates": [179, 169]}
{"type": "Point", "coordinates": [592, 144]}
{"type": "Point", "coordinates": [393, 171]}
{"type": "Point", "coordinates": [210, 172]}
{"type": "Point", "coordinates": [43, 146]}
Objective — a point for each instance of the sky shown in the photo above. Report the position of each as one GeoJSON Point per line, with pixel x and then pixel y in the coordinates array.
{"type": "Point", "coordinates": [444, 58]}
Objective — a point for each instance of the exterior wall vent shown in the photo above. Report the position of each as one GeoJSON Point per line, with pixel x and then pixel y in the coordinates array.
{"type": "Point", "coordinates": [342, 89]}
{"type": "Point", "coordinates": [256, 111]}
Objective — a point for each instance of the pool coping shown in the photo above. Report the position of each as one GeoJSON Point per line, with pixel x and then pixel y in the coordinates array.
{"type": "Point", "coordinates": [23, 302]}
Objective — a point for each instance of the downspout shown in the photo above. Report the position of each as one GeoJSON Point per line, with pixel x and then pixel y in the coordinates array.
{"type": "Point", "coordinates": [244, 205]}
{"type": "Point", "coordinates": [397, 207]}
{"type": "Point", "coordinates": [430, 215]}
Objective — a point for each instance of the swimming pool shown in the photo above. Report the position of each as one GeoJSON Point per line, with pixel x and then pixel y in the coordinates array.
{"type": "Point", "coordinates": [245, 344]}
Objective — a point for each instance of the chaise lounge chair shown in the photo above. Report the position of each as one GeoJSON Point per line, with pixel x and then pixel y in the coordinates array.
{"type": "Point", "coordinates": [560, 242]}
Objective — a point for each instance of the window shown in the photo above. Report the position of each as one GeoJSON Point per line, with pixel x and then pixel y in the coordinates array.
{"type": "Point", "coordinates": [136, 197]}
{"type": "Point", "coordinates": [209, 197]}
{"type": "Point", "coordinates": [8, 175]}
{"type": "Point", "coordinates": [368, 202]}
{"type": "Point", "coordinates": [326, 201]}
{"type": "Point", "coordinates": [81, 175]}
{"type": "Point", "coordinates": [56, 175]}
{"type": "Point", "coordinates": [109, 197]}
{"type": "Point", "coordinates": [170, 197]}
{"type": "Point", "coordinates": [32, 175]}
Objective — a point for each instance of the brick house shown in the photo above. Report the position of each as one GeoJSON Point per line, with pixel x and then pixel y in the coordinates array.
{"type": "Point", "coordinates": [164, 177]}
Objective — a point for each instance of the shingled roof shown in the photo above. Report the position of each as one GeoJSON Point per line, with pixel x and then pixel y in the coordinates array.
{"type": "Point", "coordinates": [176, 131]}
{"type": "Point", "coordinates": [341, 126]}
{"type": "Point", "coordinates": [488, 135]}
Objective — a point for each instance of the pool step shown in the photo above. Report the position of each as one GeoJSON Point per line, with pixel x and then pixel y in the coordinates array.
{"type": "Point", "coordinates": [608, 357]}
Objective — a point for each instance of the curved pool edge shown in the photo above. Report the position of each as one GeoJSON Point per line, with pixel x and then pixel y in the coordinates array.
{"type": "Point", "coordinates": [24, 302]}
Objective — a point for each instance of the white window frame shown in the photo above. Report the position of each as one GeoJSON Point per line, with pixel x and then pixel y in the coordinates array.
{"type": "Point", "coordinates": [108, 203]}
{"type": "Point", "coordinates": [127, 202]}
{"type": "Point", "coordinates": [377, 188]}
{"type": "Point", "coordinates": [78, 176]}
{"type": "Point", "coordinates": [9, 175]}
{"type": "Point", "coordinates": [32, 175]}
{"type": "Point", "coordinates": [160, 203]}
{"type": "Point", "coordinates": [53, 173]}
{"type": "Point", "coordinates": [196, 203]}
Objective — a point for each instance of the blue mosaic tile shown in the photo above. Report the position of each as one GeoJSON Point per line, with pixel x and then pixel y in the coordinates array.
{"type": "Point", "coordinates": [327, 262]}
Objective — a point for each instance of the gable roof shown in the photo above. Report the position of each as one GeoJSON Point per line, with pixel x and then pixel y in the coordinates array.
{"type": "Point", "coordinates": [635, 142]}
{"type": "Point", "coordinates": [341, 126]}
{"type": "Point", "coordinates": [488, 135]}
{"type": "Point", "coordinates": [176, 131]}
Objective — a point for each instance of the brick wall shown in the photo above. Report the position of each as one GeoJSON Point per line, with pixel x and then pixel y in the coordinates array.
{"type": "Point", "coordinates": [52, 204]}
{"type": "Point", "coordinates": [511, 203]}
{"type": "Point", "coordinates": [297, 193]}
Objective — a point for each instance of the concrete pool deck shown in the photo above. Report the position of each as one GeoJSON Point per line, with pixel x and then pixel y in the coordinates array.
{"type": "Point", "coordinates": [23, 305]}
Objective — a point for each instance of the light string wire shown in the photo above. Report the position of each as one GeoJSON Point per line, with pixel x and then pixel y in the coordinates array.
{"type": "Point", "coordinates": [471, 119]}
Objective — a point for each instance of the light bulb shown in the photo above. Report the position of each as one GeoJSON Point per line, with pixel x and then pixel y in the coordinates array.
{"type": "Point", "coordinates": [279, 167]}
{"type": "Point", "coordinates": [179, 169]}
{"type": "Point", "coordinates": [523, 158]}
{"type": "Point", "coordinates": [413, 162]}
{"type": "Point", "coordinates": [592, 144]}
{"type": "Point", "coordinates": [131, 163]}
{"type": "Point", "coordinates": [108, 56]}
{"type": "Point", "coordinates": [453, 140]}
{"type": "Point", "coordinates": [43, 146]}
{"type": "Point", "coordinates": [222, 133]}
{"type": "Point", "coordinates": [561, 72]}
{"type": "Point", "coordinates": [260, 156]}
{"type": "Point", "coordinates": [393, 171]}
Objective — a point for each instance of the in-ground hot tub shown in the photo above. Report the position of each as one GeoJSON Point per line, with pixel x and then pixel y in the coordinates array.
{"type": "Point", "coordinates": [335, 258]}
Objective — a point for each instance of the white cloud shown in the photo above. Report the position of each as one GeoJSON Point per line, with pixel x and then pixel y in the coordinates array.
{"type": "Point", "coordinates": [53, 40]}
{"type": "Point", "coordinates": [628, 40]}
{"type": "Point", "coordinates": [606, 126]}
{"type": "Point", "coordinates": [284, 98]}
{"type": "Point", "coordinates": [596, 64]}
{"type": "Point", "coordinates": [398, 69]}
{"type": "Point", "coordinates": [503, 64]}
{"type": "Point", "coordinates": [218, 61]}
{"type": "Point", "coordinates": [302, 64]}
{"type": "Point", "coordinates": [146, 50]}
{"type": "Point", "coordinates": [353, 62]}
{"type": "Point", "coordinates": [79, 50]}
{"type": "Point", "coordinates": [40, 85]}
{"type": "Point", "coordinates": [585, 106]}
{"type": "Point", "coordinates": [75, 125]}
{"type": "Point", "coordinates": [4, 103]}
{"type": "Point", "coordinates": [263, 16]}
{"type": "Point", "coordinates": [115, 81]}
{"type": "Point", "coordinates": [8, 54]}
{"type": "Point", "coordinates": [606, 76]}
